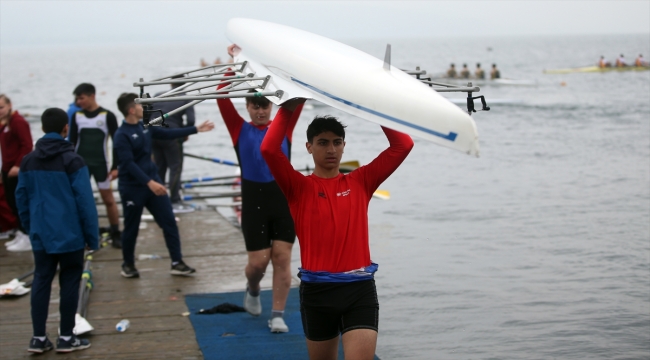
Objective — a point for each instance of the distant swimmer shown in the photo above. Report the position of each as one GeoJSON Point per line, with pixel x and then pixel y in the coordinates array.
{"type": "Point", "coordinates": [620, 61]}
{"type": "Point", "coordinates": [495, 73]}
{"type": "Point", "coordinates": [640, 61]}
{"type": "Point", "coordinates": [479, 72]}
{"type": "Point", "coordinates": [603, 63]}
{"type": "Point", "coordinates": [464, 72]}
{"type": "Point", "coordinates": [451, 73]}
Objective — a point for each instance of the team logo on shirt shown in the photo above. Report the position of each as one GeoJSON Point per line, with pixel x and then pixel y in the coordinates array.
{"type": "Point", "coordinates": [100, 123]}
{"type": "Point", "coordinates": [344, 193]}
{"type": "Point", "coordinates": [130, 203]}
{"type": "Point", "coordinates": [321, 194]}
{"type": "Point", "coordinates": [134, 136]}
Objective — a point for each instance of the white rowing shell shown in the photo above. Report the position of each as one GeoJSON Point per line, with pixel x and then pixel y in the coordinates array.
{"type": "Point", "coordinates": [311, 66]}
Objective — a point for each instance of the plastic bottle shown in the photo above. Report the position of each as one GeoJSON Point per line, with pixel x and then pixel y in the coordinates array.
{"type": "Point", "coordinates": [122, 325]}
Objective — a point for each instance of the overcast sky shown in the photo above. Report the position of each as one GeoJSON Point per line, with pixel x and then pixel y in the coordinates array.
{"type": "Point", "coordinates": [98, 22]}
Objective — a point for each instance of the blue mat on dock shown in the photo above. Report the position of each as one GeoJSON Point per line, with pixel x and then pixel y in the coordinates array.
{"type": "Point", "coordinates": [242, 336]}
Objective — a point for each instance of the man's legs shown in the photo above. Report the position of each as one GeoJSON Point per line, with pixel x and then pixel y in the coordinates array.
{"type": "Point", "coordinates": [360, 344]}
{"type": "Point", "coordinates": [72, 265]}
{"type": "Point", "coordinates": [132, 206]}
{"type": "Point", "coordinates": [44, 271]}
{"type": "Point", "coordinates": [111, 206]}
{"type": "Point", "coordinates": [281, 260]}
{"type": "Point", "coordinates": [324, 350]}
{"type": "Point", "coordinates": [161, 209]}
{"type": "Point", "coordinates": [255, 269]}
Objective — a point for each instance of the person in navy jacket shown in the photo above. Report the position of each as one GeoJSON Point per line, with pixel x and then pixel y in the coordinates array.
{"type": "Point", "coordinates": [57, 209]}
{"type": "Point", "coordinates": [140, 186]}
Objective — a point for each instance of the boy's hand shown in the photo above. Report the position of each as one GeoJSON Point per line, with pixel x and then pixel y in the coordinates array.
{"type": "Point", "coordinates": [233, 50]}
{"type": "Point", "coordinates": [292, 104]}
{"type": "Point", "coordinates": [206, 126]}
{"type": "Point", "coordinates": [157, 188]}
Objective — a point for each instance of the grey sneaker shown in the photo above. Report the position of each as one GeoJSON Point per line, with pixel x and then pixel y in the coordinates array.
{"type": "Point", "coordinates": [252, 304]}
{"type": "Point", "coordinates": [71, 345]}
{"type": "Point", "coordinates": [129, 271]}
{"type": "Point", "coordinates": [277, 325]}
{"type": "Point", "coordinates": [179, 208]}
{"type": "Point", "coordinates": [181, 269]}
{"type": "Point", "coordinates": [37, 346]}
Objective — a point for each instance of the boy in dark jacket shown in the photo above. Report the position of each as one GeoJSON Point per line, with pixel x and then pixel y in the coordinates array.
{"type": "Point", "coordinates": [57, 209]}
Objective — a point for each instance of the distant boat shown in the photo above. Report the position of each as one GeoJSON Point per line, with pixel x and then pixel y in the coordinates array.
{"type": "Point", "coordinates": [593, 69]}
{"type": "Point", "coordinates": [484, 82]}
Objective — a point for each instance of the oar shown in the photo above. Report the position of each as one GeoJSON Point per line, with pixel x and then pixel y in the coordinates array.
{"type": "Point", "coordinates": [216, 160]}
{"type": "Point", "coordinates": [210, 196]}
{"type": "Point", "coordinates": [382, 194]}
{"type": "Point", "coordinates": [82, 325]}
{"type": "Point", "coordinates": [191, 185]}
{"type": "Point", "coordinates": [345, 167]}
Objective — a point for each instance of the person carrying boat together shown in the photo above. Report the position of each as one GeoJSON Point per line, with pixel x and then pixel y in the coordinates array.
{"type": "Point", "coordinates": [140, 186]}
{"type": "Point", "coordinates": [55, 175]}
{"type": "Point", "coordinates": [266, 222]}
{"type": "Point", "coordinates": [338, 296]}
{"type": "Point", "coordinates": [90, 129]}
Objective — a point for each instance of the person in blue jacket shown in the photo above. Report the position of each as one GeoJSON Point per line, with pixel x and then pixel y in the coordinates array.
{"type": "Point", "coordinates": [57, 209]}
{"type": "Point", "coordinates": [140, 186]}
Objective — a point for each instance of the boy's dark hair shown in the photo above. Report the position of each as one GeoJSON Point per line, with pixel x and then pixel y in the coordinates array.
{"type": "Point", "coordinates": [125, 102]}
{"type": "Point", "coordinates": [54, 120]}
{"type": "Point", "coordinates": [84, 89]}
{"type": "Point", "coordinates": [322, 124]}
{"type": "Point", "coordinates": [260, 101]}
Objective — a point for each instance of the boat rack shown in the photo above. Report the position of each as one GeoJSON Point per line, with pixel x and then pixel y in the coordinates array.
{"type": "Point", "coordinates": [201, 84]}
{"type": "Point", "coordinates": [442, 87]}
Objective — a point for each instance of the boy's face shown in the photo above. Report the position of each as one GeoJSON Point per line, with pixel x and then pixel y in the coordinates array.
{"type": "Point", "coordinates": [138, 111]}
{"type": "Point", "coordinates": [85, 101]}
{"type": "Point", "coordinates": [259, 115]}
{"type": "Point", "coordinates": [327, 150]}
{"type": "Point", "coordinates": [5, 108]}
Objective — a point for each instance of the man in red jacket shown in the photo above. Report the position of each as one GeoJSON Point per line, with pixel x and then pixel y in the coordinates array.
{"type": "Point", "coordinates": [330, 210]}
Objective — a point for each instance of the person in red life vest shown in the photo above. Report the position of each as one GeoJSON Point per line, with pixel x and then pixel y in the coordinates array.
{"type": "Point", "coordinates": [338, 296]}
{"type": "Point", "coordinates": [15, 143]}
{"type": "Point", "coordinates": [266, 222]}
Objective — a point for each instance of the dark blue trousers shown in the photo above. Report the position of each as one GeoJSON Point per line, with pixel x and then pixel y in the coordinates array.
{"type": "Point", "coordinates": [71, 267]}
{"type": "Point", "coordinates": [134, 200]}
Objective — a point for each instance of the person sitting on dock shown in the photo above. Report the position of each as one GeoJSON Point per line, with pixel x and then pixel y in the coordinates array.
{"type": "Point", "coordinates": [54, 174]}
{"type": "Point", "coordinates": [451, 72]}
{"type": "Point", "coordinates": [140, 186]}
{"type": "Point", "coordinates": [338, 297]}
{"type": "Point", "coordinates": [266, 222]}
{"type": "Point", "coordinates": [603, 63]}
{"type": "Point", "coordinates": [464, 72]}
{"type": "Point", "coordinates": [479, 72]}
{"type": "Point", "coordinates": [640, 61]}
{"type": "Point", "coordinates": [495, 73]}
{"type": "Point", "coordinates": [620, 61]}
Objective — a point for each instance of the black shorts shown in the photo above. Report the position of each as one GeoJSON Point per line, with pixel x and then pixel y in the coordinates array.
{"type": "Point", "coordinates": [330, 309]}
{"type": "Point", "coordinates": [265, 215]}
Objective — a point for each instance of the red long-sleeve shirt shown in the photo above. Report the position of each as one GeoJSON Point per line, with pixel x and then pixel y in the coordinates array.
{"type": "Point", "coordinates": [15, 141]}
{"type": "Point", "coordinates": [331, 215]}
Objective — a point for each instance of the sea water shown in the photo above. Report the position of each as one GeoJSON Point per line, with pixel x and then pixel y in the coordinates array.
{"type": "Point", "coordinates": [539, 249]}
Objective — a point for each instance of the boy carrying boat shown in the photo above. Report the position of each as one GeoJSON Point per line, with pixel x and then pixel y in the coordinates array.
{"type": "Point", "coordinates": [141, 187]}
{"type": "Point", "coordinates": [338, 296]}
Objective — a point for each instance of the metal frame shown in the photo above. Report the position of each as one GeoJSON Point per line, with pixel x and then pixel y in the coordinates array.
{"type": "Point", "coordinates": [194, 88]}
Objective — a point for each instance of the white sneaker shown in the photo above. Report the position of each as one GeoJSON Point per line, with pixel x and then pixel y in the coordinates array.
{"type": "Point", "coordinates": [7, 234]}
{"type": "Point", "coordinates": [23, 243]}
{"type": "Point", "coordinates": [252, 304]}
{"type": "Point", "coordinates": [278, 325]}
{"type": "Point", "coordinates": [17, 236]}
{"type": "Point", "coordinates": [181, 208]}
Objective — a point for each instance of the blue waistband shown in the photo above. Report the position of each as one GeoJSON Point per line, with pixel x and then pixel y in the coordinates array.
{"type": "Point", "coordinates": [362, 274]}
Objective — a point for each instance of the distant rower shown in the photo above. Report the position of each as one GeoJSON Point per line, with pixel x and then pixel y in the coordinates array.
{"type": "Point", "coordinates": [495, 73]}
{"type": "Point", "coordinates": [451, 73]}
{"type": "Point", "coordinates": [479, 73]}
{"type": "Point", "coordinates": [640, 61]}
{"type": "Point", "coordinates": [620, 62]}
{"type": "Point", "coordinates": [464, 72]}
{"type": "Point", "coordinates": [603, 63]}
